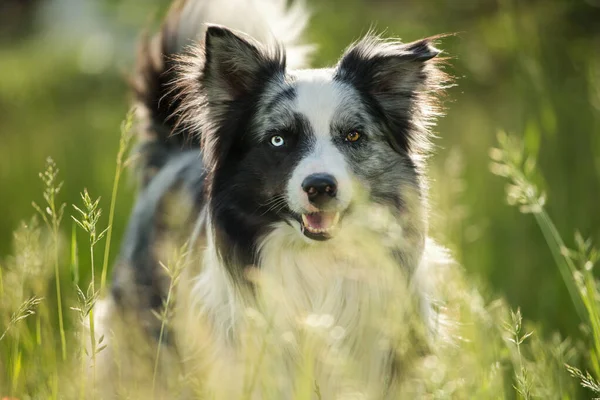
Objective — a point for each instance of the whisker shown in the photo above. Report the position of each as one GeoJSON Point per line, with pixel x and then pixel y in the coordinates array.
{"type": "Point", "coordinates": [274, 204]}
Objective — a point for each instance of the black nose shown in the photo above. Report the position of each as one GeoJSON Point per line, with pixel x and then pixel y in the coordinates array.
{"type": "Point", "coordinates": [320, 188]}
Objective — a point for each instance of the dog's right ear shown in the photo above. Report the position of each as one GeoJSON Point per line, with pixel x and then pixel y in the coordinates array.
{"type": "Point", "coordinates": [236, 66]}
{"type": "Point", "coordinates": [402, 79]}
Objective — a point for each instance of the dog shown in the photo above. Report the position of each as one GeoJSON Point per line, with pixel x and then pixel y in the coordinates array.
{"type": "Point", "coordinates": [279, 244]}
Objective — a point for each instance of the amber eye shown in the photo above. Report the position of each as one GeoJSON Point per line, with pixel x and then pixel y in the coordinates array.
{"type": "Point", "coordinates": [352, 136]}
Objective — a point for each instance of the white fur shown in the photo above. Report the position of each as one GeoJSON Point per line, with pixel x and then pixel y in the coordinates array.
{"type": "Point", "coordinates": [319, 100]}
{"type": "Point", "coordinates": [264, 20]}
{"type": "Point", "coordinates": [323, 158]}
{"type": "Point", "coordinates": [334, 294]}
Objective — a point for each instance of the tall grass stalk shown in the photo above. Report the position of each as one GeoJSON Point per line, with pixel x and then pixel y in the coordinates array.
{"type": "Point", "coordinates": [74, 256]}
{"type": "Point", "coordinates": [86, 303]}
{"type": "Point", "coordinates": [52, 216]}
{"type": "Point", "coordinates": [27, 308]}
{"type": "Point", "coordinates": [124, 144]}
{"type": "Point", "coordinates": [511, 162]}
{"type": "Point", "coordinates": [173, 270]}
{"type": "Point", "coordinates": [514, 327]}
{"type": "Point", "coordinates": [588, 256]}
{"type": "Point", "coordinates": [88, 222]}
{"type": "Point", "coordinates": [586, 379]}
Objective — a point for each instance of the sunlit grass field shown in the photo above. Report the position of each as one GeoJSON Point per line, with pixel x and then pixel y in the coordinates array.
{"type": "Point", "coordinates": [515, 189]}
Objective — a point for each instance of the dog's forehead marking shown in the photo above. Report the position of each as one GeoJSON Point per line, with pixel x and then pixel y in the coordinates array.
{"type": "Point", "coordinates": [325, 103]}
{"type": "Point", "coordinates": [318, 98]}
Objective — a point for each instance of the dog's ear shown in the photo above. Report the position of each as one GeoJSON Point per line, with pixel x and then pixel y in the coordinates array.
{"type": "Point", "coordinates": [400, 80]}
{"type": "Point", "coordinates": [236, 66]}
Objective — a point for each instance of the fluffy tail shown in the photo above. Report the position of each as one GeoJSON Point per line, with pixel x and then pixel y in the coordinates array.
{"type": "Point", "coordinates": [156, 101]}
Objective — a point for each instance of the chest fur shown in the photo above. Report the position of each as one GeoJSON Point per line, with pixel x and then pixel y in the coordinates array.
{"type": "Point", "coordinates": [324, 314]}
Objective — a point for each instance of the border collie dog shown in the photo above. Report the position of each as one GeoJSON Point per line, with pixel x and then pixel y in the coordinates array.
{"type": "Point", "coordinates": [295, 202]}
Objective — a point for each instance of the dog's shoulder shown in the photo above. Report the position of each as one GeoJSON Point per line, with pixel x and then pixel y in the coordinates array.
{"type": "Point", "coordinates": [164, 215]}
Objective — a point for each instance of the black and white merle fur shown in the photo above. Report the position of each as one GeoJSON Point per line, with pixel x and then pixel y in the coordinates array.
{"type": "Point", "coordinates": [264, 127]}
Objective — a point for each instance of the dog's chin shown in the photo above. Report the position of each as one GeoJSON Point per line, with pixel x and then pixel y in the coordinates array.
{"type": "Point", "coordinates": [320, 226]}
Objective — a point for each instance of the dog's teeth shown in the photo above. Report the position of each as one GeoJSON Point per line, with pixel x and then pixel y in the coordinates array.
{"type": "Point", "coordinates": [305, 219]}
{"type": "Point", "coordinates": [306, 224]}
{"type": "Point", "coordinates": [336, 219]}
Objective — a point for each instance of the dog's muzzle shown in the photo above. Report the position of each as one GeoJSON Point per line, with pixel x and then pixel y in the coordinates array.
{"type": "Point", "coordinates": [321, 191]}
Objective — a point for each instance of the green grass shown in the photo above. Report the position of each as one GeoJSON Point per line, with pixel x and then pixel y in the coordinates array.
{"type": "Point", "coordinates": [487, 351]}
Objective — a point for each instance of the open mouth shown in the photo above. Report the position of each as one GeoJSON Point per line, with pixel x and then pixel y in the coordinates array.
{"type": "Point", "coordinates": [320, 225]}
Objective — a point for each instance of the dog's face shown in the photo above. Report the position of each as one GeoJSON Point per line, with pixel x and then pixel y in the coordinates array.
{"type": "Point", "coordinates": [336, 150]}
{"type": "Point", "coordinates": [309, 147]}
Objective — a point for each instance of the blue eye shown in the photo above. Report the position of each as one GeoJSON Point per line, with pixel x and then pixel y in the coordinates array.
{"type": "Point", "coordinates": [277, 141]}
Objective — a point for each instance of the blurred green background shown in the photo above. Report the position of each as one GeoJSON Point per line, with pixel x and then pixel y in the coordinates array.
{"type": "Point", "coordinates": [530, 68]}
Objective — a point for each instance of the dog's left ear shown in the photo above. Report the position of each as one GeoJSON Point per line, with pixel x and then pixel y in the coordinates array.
{"type": "Point", "coordinates": [400, 80]}
{"type": "Point", "coordinates": [236, 65]}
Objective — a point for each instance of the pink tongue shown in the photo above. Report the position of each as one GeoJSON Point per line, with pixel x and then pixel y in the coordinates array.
{"type": "Point", "coordinates": [320, 220]}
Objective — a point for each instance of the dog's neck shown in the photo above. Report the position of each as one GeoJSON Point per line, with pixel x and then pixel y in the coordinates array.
{"type": "Point", "coordinates": [374, 248]}
{"type": "Point", "coordinates": [369, 255]}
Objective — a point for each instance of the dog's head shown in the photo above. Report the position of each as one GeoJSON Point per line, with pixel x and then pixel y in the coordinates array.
{"type": "Point", "coordinates": [309, 147]}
